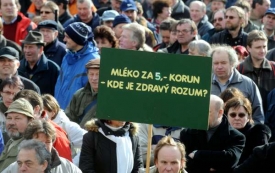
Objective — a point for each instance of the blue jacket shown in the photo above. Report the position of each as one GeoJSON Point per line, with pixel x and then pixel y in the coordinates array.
{"type": "Point", "coordinates": [73, 73]}
{"type": "Point", "coordinates": [93, 23]}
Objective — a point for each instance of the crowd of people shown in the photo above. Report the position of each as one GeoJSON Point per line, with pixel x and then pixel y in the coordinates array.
{"type": "Point", "coordinates": [49, 74]}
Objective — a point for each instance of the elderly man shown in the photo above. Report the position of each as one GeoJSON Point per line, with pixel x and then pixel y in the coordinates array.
{"type": "Point", "coordinates": [83, 104]}
{"type": "Point", "coordinates": [18, 116]}
{"type": "Point", "coordinates": [54, 49]}
{"type": "Point", "coordinates": [198, 15]}
{"type": "Point", "coordinates": [225, 75]}
{"type": "Point", "coordinates": [85, 15]}
{"type": "Point", "coordinates": [34, 152]}
{"type": "Point", "coordinates": [217, 149]}
{"type": "Point", "coordinates": [80, 51]}
{"type": "Point", "coordinates": [36, 66]}
{"type": "Point", "coordinates": [186, 32]}
{"type": "Point", "coordinates": [9, 63]}
{"type": "Point", "coordinates": [233, 34]}
{"type": "Point", "coordinates": [133, 38]}
{"type": "Point", "coordinates": [16, 25]}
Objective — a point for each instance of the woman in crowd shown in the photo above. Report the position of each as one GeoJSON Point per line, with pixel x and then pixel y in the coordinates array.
{"type": "Point", "coordinates": [229, 93]}
{"type": "Point", "coordinates": [57, 115]}
{"type": "Point", "coordinates": [110, 147]}
{"type": "Point", "coordinates": [241, 52]}
{"type": "Point", "coordinates": [105, 37]}
{"type": "Point", "coordinates": [239, 113]}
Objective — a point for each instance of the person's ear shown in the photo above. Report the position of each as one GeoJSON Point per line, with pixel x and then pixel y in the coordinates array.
{"type": "Point", "coordinates": [45, 165]}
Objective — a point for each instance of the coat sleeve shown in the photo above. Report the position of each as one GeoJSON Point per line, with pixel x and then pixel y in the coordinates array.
{"type": "Point", "coordinates": [138, 163]}
{"type": "Point", "coordinates": [70, 110]}
{"type": "Point", "coordinates": [257, 104]}
{"type": "Point", "coordinates": [87, 155]}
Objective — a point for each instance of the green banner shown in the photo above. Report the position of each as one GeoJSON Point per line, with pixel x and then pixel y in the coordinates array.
{"type": "Point", "coordinates": [154, 88]}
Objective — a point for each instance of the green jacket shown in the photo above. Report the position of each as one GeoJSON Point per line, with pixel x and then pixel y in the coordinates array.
{"type": "Point", "coordinates": [9, 156]}
{"type": "Point", "coordinates": [81, 99]}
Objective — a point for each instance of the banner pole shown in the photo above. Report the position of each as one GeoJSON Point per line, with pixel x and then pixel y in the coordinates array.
{"type": "Point", "coordinates": [148, 157]}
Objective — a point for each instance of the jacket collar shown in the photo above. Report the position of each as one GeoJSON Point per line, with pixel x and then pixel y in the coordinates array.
{"type": "Point", "coordinates": [237, 77]}
{"type": "Point", "coordinates": [55, 158]}
{"type": "Point", "coordinates": [248, 65]}
{"type": "Point", "coordinates": [239, 34]}
{"type": "Point", "coordinates": [52, 47]}
{"type": "Point", "coordinates": [42, 65]}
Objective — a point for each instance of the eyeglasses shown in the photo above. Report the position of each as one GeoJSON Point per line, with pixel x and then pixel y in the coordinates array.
{"type": "Point", "coordinates": [230, 17]}
{"type": "Point", "coordinates": [7, 93]}
{"type": "Point", "coordinates": [183, 31]}
{"type": "Point", "coordinates": [218, 19]}
{"type": "Point", "coordinates": [233, 115]}
{"type": "Point", "coordinates": [46, 12]}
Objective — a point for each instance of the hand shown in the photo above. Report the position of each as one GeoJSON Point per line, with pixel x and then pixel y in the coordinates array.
{"type": "Point", "coordinates": [191, 155]}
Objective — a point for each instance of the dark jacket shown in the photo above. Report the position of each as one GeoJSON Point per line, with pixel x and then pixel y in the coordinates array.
{"type": "Point", "coordinates": [209, 34]}
{"type": "Point", "coordinates": [60, 30]}
{"type": "Point", "coordinates": [44, 75]}
{"type": "Point", "coordinates": [250, 27]}
{"type": "Point", "coordinates": [221, 152]}
{"type": "Point", "coordinates": [250, 91]}
{"type": "Point", "coordinates": [175, 48]}
{"type": "Point", "coordinates": [6, 42]}
{"type": "Point", "coordinates": [64, 17]}
{"type": "Point", "coordinates": [255, 135]}
{"type": "Point", "coordinates": [55, 51]}
{"type": "Point", "coordinates": [93, 23]}
{"type": "Point", "coordinates": [262, 160]}
{"type": "Point", "coordinates": [98, 153]}
{"type": "Point", "coordinates": [271, 42]}
{"type": "Point", "coordinates": [271, 55]}
{"type": "Point", "coordinates": [180, 11]}
{"type": "Point", "coordinates": [224, 37]}
{"type": "Point", "coordinates": [79, 102]}
{"type": "Point", "coordinates": [204, 26]}
{"type": "Point", "coordinates": [265, 79]}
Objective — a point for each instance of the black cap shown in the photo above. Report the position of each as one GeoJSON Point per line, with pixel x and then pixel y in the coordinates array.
{"type": "Point", "coordinates": [61, 1]}
{"type": "Point", "coordinates": [51, 24]}
{"type": "Point", "coordinates": [9, 52]}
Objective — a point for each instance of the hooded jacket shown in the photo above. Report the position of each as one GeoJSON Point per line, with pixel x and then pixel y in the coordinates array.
{"type": "Point", "coordinates": [73, 74]}
{"type": "Point", "coordinates": [98, 153]}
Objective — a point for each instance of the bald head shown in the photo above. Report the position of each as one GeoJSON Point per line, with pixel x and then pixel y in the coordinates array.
{"type": "Point", "coordinates": [215, 111]}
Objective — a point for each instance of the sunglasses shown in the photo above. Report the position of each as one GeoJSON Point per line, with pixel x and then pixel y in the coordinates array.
{"type": "Point", "coordinates": [46, 12]}
{"type": "Point", "coordinates": [233, 115]}
{"type": "Point", "coordinates": [218, 19]}
{"type": "Point", "coordinates": [230, 17]}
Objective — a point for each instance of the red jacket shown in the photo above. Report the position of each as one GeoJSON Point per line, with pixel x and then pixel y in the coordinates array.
{"type": "Point", "coordinates": [62, 143]}
{"type": "Point", "coordinates": [23, 27]}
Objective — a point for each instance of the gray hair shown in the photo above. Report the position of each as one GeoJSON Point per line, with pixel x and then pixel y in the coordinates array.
{"type": "Point", "coordinates": [137, 33]}
{"type": "Point", "coordinates": [201, 46]}
{"type": "Point", "coordinates": [42, 154]}
{"type": "Point", "coordinates": [201, 4]}
{"type": "Point", "coordinates": [232, 55]}
{"type": "Point", "coordinates": [88, 1]}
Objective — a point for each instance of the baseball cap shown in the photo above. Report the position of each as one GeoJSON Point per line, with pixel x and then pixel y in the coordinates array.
{"type": "Point", "coordinates": [109, 15]}
{"type": "Point", "coordinates": [270, 11]}
{"type": "Point", "coordinates": [128, 5]}
{"type": "Point", "coordinates": [9, 52]}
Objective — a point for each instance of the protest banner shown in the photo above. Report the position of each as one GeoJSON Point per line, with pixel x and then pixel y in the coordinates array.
{"type": "Point", "coordinates": [154, 88]}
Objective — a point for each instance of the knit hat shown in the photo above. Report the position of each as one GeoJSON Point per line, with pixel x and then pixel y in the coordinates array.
{"type": "Point", "coordinates": [21, 106]}
{"type": "Point", "coordinates": [94, 63]}
{"type": "Point", "coordinates": [121, 19]}
{"type": "Point", "coordinates": [79, 32]}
